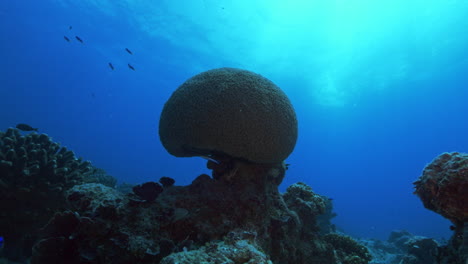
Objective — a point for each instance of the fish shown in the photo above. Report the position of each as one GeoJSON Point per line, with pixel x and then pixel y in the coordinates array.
{"type": "Point", "coordinates": [79, 39]}
{"type": "Point", "coordinates": [201, 153]}
{"type": "Point", "coordinates": [70, 27]}
{"type": "Point", "coordinates": [25, 127]}
{"type": "Point", "coordinates": [131, 67]}
{"type": "Point", "coordinates": [111, 66]}
{"type": "Point", "coordinates": [2, 242]}
{"type": "Point", "coordinates": [129, 51]}
{"type": "Point", "coordinates": [209, 158]}
{"type": "Point", "coordinates": [66, 38]}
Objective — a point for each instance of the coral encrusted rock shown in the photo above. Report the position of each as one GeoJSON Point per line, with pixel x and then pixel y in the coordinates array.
{"type": "Point", "coordinates": [35, 172]}
{"type": "Point", "coordinates": [443, 186]}
{"type": "Point", "coordinates": [232, 112]}
{"type": "Point", "coordinates": [209, 221]}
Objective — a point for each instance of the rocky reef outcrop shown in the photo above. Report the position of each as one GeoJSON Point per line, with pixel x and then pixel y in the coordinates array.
{"type": "Point", "coordinates": [57, 208]}
{"type": "Point", "coordinates": [402, 247]}
{"type": "Point", "coordinates": [35, 174]}
{"type": "Point", "coordinates": [209, 221]}
{"type": "Point", "coordinates": [443, 188]}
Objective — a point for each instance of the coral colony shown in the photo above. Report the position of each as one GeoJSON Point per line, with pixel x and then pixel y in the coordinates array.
{"type": "Point", "coordinates": [64, 210]}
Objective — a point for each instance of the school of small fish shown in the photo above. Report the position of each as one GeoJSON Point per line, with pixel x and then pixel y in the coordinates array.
{"type": "Point", "coordinates": [111, 66]}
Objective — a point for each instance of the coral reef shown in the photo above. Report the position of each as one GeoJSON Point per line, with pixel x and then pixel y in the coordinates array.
{"type": "Point", "coordinates": [98, 175]}
{"type": "Point", "coordinates": [35, 173]}
{"type": "Point", "coordinates": [421, 251]}
{"type": "Point", "coordinates": [443, 188]}
{"type": "Point", "coordinates": [348, 250]}
{"type": "Point", "coordinates": [229, 111]}
{"type": "Point", "coordinates": [209, 221]}
{"type": "Point", "coordinates": [234, 249]}
{"type": "Point", "coordinates": [404, 248]}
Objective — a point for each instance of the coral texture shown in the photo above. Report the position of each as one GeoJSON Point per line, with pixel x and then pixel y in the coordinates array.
{"type": "Point", "coordinates": [229, 251]}
{"type": "Point", "coordinates": [229, 111]}
{"type": "Point", "coordinates": [208, 221]}
{"type": "Point", "coordinates": [404, 248]}
{"type": "Point", "coordinates": [35, 173]}
{"type": "Point", "coordinates": [348, 250]}
{"type": "Point", "coordinates": [443, 186]}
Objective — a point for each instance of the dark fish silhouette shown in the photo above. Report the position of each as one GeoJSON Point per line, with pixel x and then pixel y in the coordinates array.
{"type": "Point", "coordinates": [70, 27]}
{"type": "Point", "coordinates": [79, 39]}
{"type": "Point", "coordinates": [25, 127]}
{"type": "Point", "coordinates": [131, 67]}
{"type": "Point", "coordinates": [66, 38]}
{"type": "Point", "coordinates": [111, 66]}
{"type": "Point", "coordinates": [129, 51]}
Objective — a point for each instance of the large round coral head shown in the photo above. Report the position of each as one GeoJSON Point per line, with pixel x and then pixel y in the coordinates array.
{"type": "Point", "coordinates": [443, 186]}
{"type": "Point", "coordinates": [232, 112]}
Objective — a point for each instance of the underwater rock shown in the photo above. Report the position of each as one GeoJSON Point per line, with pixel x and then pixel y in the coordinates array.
{"type": "Point", "coordinates": [443, 186]}
{"type": "Point", "coordinates": [230, 112]}
{"type": "Point", "coordinates": [300, 198]}
{"type": "Point", "coordinates": [98, 175]}
{"type": "Point", "coordinates": [400, 239]}
{"type": "Point", "coordinates": [35, 173]}
{"type": "Point", "coordinates": [110, 229]}
{"type": "Point", "coordinates": [148, 191]}
{"type": "Point", "coordinates": [421, 251]}
{"type": "Point", "coordinates": [348, 250]}
{"type": "Point", "coordinates": [95, 199]}
{"type": "Point", "coordinates": [403, 247]}
{"type": "Point", "coordinates": [227, 251]}
{"type": "Point", "coordinates": [166, 182]}
{"type": "Point", "coordinates": [241, 221]}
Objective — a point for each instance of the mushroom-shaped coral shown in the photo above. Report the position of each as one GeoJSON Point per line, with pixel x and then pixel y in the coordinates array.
{"type": "Point", "coordinates": [443, 186]}
{"type": "Point", "coordinates": [232, 112]}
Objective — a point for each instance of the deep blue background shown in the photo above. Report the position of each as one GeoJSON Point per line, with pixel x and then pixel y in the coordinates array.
{"type": "Point", "coordinates": [365, 155]}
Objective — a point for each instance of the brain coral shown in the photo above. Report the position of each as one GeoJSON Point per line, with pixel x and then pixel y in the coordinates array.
{"type": "Point", "coordinates": [443, 186]}
{"type": "Point", "coordinates": [229, 111]}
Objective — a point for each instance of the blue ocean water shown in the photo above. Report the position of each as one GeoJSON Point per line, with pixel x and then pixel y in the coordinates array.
{"type": "Point", "coordinates": [379, 88]}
